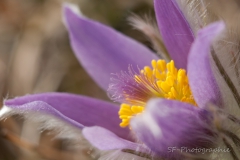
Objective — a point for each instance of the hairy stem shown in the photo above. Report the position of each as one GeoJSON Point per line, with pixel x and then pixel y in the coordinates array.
{"type": "Point", "coordinates": [226, 78]}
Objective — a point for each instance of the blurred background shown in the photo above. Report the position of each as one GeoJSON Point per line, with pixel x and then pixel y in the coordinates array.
{"type": "Point", "coordinates": [35, 57]}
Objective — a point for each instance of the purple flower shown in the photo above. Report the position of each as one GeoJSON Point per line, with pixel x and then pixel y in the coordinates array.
{"type": "Point", "coordinates": [164, 123]}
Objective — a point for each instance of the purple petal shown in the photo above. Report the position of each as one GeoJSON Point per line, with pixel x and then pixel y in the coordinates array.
{"type": "Point", "coordinates": [102, 50]}
{"type": "Point", "coordinates": [167, 123]}
{"type": "Point", "coordinates": [106, 140]}
{"type": "Point", "coordinates": [175, 31]}
{"type": "Point", "coordinates": [77, 110]}
{"type": "Point", "coordinates": [201, 79]}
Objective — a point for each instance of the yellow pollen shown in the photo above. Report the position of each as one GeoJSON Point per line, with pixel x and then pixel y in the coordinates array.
{"type": "Point", "coordinates": [126, 112]}
{"type": "Point", "coordinates": [163, 80]}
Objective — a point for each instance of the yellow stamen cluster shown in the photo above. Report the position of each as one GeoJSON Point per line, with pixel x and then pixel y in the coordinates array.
{"type": "Point", "coordinates": [126, 112]}
{"type": "Point", "coordinates": [163, 80]}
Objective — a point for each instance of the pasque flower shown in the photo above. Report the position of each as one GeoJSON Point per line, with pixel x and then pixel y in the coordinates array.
{"type": "Point", "coordinates": [176, 104]}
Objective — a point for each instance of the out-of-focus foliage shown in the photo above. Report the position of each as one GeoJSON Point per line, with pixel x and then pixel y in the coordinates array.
{"type": "Point", "coordinates": [35, 56]}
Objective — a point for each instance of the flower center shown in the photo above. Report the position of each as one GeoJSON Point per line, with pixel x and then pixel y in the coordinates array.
{"type": "Point", "coordinates": [133, 89]}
